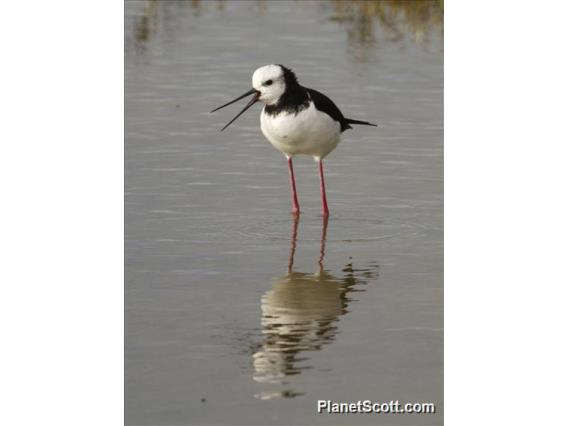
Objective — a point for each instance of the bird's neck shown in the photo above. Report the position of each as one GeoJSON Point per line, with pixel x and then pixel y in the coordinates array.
{"type": "Point", "coordinates": [294, 99]}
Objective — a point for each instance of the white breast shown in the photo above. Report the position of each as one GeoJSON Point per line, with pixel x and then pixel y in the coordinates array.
{"type": "Point", "coordinates": [310, 132]}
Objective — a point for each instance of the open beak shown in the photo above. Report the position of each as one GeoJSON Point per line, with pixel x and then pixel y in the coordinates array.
{"type": "Point", "coordinates": [253, 100]}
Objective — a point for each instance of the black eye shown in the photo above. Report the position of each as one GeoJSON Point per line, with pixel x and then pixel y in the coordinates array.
{"type": "Point", "coordinates": [268, 82]}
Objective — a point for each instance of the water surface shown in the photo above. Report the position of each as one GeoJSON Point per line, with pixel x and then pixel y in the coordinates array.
{"type": "Point", "coordinates": [235, 312]}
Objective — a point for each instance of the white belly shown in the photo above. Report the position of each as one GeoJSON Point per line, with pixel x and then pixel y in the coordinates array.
{"type": "Point", "coordinates": [310, 132]}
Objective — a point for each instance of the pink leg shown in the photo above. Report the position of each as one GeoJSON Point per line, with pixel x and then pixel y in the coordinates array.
{"type": "Point", "coordinates": [324, 208]}
{"type": "Point", "coordinates": [295, 205]}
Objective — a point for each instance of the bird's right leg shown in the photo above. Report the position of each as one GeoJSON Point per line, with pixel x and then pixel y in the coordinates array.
{"type": "Point", "coordinates": [295, 204]}
{"type": "Point", "coordinates": [324, 208]}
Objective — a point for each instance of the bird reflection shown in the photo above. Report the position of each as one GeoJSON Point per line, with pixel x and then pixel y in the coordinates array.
{"type": "Point", "coordinates": [299, 314]}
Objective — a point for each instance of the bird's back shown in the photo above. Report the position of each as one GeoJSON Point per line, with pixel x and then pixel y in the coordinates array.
{"type": "Point", "coordinates": [326, 105]}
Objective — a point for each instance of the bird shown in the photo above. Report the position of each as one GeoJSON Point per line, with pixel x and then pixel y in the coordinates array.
{"type": "Point", "coordinates": [296, 120]}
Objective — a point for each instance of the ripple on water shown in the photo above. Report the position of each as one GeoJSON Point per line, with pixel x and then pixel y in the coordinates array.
{"type": "Point", "coordinates": [341, 229]}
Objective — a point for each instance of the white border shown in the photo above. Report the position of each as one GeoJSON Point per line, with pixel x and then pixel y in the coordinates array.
{"type": "Point", "coordinates": [62, 213]}
{"type": "Point", "coordinates": [506, 192]}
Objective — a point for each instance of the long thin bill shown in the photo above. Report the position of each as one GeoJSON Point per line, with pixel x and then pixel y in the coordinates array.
{"type": "Point", "coordinates": [251, 103]}
{"type": "Point", "coordinates": [250, 92]}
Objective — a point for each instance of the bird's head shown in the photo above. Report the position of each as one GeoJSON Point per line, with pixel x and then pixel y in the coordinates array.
{"type": "Point", "coordinates": [269, 83]}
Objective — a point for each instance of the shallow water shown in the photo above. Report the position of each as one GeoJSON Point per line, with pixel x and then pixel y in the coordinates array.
{"type": "Point", "coordinates": [235, 312]}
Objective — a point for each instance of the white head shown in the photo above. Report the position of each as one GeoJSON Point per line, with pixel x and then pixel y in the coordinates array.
{"type": "Point", "coordinates": [269, 84]}
{"type": "Point", "coordinates": [269, 81]}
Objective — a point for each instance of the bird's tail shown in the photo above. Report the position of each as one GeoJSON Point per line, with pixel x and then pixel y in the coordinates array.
{"type": "Point", "coordinates": [364, 123]}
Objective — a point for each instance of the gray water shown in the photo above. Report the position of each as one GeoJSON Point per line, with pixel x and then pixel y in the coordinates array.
{"type": "Point", "coordinates": [235, 312]}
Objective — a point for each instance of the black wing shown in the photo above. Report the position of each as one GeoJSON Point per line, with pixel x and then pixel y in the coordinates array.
{"type": "Point", "coordinates": [324, 104]}
{"type": "Point", "coordinates": [364, 123]}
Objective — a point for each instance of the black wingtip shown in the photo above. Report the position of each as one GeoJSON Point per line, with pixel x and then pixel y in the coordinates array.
{"type": "Point", "coordinates": [363, 123]}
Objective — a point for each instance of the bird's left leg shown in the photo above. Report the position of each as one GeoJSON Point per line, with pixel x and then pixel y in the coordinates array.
{"type": "Point", "coordinates": [294, 193]}
{"type": "Point", "coordinates": [324, 208]}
